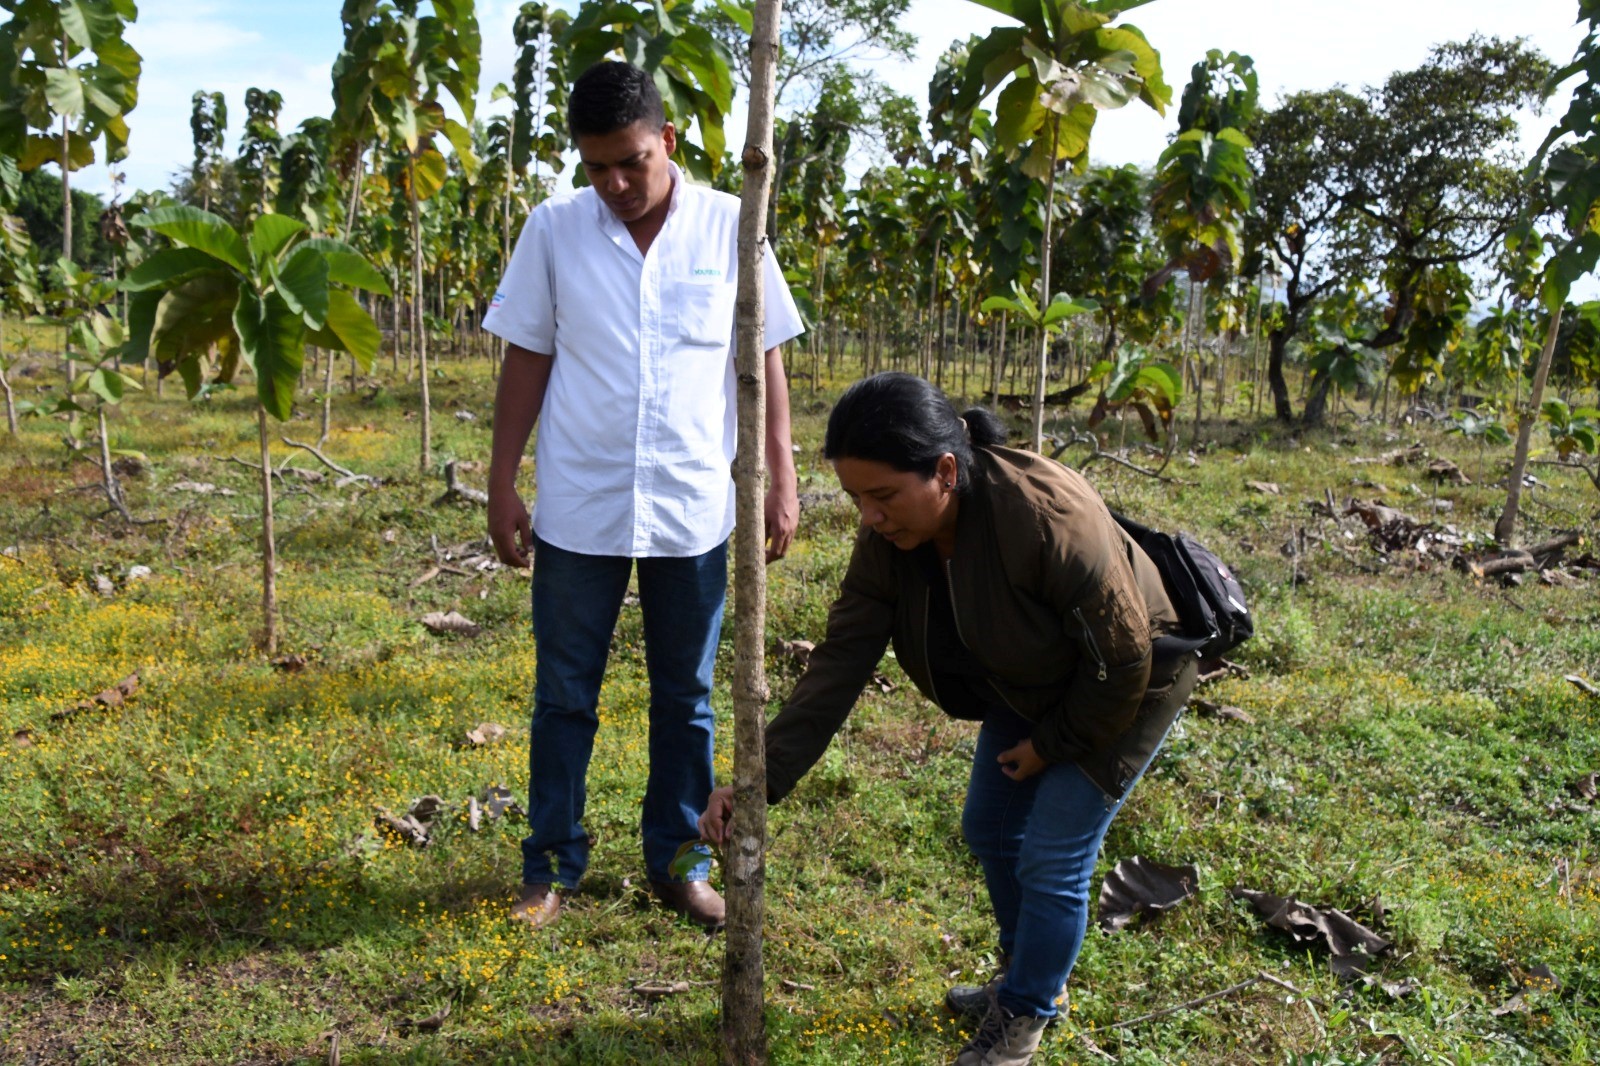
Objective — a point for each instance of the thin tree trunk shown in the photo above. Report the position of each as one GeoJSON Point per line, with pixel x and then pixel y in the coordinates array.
{"type": "Point", "coordinates": [269, 551]}
{"type": "Point", "coordinates": [327, 395]}
{"type": "Point", "coordinates": [999, 368]}
{"type": "Point", "coordinates": [1197, 311]}
{"type": "Point", "coordinates": [1044, 290]}
{"type": "Point", "coordinates": [743, 972]}
{"type": "Point", "coordinates": [418, 323]}
{"type": "Point", "coordinates": [1505, 529]}
{"type": "Point", "coordinates": [355, 191]}
{"type": "Point", "coordinates": [11, 404]}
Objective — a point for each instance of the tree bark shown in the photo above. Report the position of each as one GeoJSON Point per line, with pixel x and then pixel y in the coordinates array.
{"type": "Point", "coordinates": [5, 385]}
{"type": "Point", "coordinates": [1282, 409]}
{"type": "Point", "coordinates": [269, 551]}
{"type": "Point", "coordinates": [1505, 529]}
{"type": "Point", "coordinates": [744, 1028]}
{"type": "Point", "coordinates": [419, 326]}
{"type": "Point", "coordinates": [327, 395]}
{"type": "Point", "coordinates": [1041, 384]}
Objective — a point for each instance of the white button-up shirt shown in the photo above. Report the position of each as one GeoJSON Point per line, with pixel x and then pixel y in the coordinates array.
{"type": "Point", "coordinates": [637, 433]}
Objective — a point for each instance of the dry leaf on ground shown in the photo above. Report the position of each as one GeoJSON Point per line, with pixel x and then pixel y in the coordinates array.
{"type": "Point", "coordinates": [1266, 488]}
{"type": "Point", "coordinates": [451, 622]}
{"type": "Point", "coordinates": [485, 733]}
{"type": "Point", "coordinates": [1212, 709]}
{"type": "Point", "coordinates": [1533, 979]}
{"type": "Point", "coordinates": [1143, 886]}
{"type": "Point", "coordinates": [798, 650]}
{"type": "Point", "coordinates": [1341, 934]}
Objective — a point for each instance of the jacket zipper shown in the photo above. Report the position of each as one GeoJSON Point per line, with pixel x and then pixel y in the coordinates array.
{"type": "Point", "coordinates": [955, 615]}
{"type": "Point", "coordinates": [1094, 646]}
{"type": "Point", "coordinates": [927, 652]}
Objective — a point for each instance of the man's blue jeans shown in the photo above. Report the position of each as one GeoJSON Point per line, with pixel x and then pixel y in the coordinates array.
{"type": "Point", "coordinates": [1037, 841]}
{"type": "Point", "coordinates": [576, 599]}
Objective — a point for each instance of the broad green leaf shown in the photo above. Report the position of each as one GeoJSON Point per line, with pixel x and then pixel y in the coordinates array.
{"type": "Point", "coordinates": [199, 229]}
{"type": "Point", "coordinates": [742, 16]}
{"type": "Point", "coordinates": [270, 234]}
{"type": "Point", "coordinates": [430, 172]}
{"type": "Point", "coordinates": [349, 329]}
{"type": "Point", "coordinates": [1001, 303]}
{"type": "Point", "coordinates": [192, 317]}
{"type": "Point", "coordinates": [272, 338]}
{"type": "Point", "coordinates": [106, 384]}
{"type": "Point", "coordinates": [1060, 309]}
{"type": "Point", "coordinates": [691, 853]}
{"type": "Point", "coordinates": [64, 89]}
{"type": "Point", "coordinates": [1018, 113]}
{"type": "Point", "coordinates": [460, 139]}
{"type": "Point", "coordinates": [1163, 380]}
{"type": "Point", "coordinates": [302, 281]}
{"type": "Point", "coordinates": [346, 266]}
{"type": "Point", "coordinates": [169, 268]}
{"type": "Point", "coordinates": [141, 319]}
{"type": "Point", "coordinates": [1030, 13]}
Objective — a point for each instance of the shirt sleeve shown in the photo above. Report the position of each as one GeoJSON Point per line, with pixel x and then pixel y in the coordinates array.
{"type": "Point", "coordinates": [783, 323]}
{"type": "Point", "coordinates": [523, 310]}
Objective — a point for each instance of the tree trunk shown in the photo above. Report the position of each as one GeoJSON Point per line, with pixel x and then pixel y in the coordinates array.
{"type": "Point", "coordinates": [269, 551]}
{"type": "Point", "coordinates": [355, 192]}
{"type": "Point", "coordinates": [419, 325]}
{"type": "Point", "coordinates": [999, 364]}
{"type": "Point", "coordinates": [1197, 331]}
{"type": "Point", "coordinates": [11, 403]}
{"type": "Point", "coordinates": [1317, 402]}
{"type": "Point", "coordinates": [1505, 529]}
{"type": "Point", "coordinates": [1044, 290]}
{"type": "Point", "coordinates": [743, 972]}
{"type": "Point", "coordinates": [327, 395]}
{"type": "Point", "coordinates": [1280, 388]}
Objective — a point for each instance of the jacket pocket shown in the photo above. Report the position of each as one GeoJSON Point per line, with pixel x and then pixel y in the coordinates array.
{"type": "Point", "coordinates": [705, 312]}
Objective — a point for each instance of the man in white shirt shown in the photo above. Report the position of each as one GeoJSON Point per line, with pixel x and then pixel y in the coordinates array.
{"type": "Point", "coordinates": [617, 306]}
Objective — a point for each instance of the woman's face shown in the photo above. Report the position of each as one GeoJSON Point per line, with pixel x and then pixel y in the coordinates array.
{"type": "Point", "coordinates": [903, 507]}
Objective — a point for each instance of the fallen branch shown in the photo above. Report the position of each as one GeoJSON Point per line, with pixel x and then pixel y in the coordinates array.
{"type": "Point", "coordinates": [454, 490]}
{"type": "Point", "coordinates": [1085, 438]}
{"type": "Point", "coordinates": [1511, 562]}
{"type": "Point", "coordinates": [1231, 990]}
{"type": "Point", "coordinates": [347, 475]}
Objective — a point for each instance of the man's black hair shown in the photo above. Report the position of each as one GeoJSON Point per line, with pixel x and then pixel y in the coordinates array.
{"type": "Point", "coordinates": [610, 96]}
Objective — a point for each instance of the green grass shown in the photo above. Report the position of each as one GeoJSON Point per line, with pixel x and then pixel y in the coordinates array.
{"type": "Point", "coordinates": [194, 877]}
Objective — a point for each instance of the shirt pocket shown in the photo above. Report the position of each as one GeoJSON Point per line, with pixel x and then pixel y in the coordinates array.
{"type": "Point", "coordinates": [705, 312]}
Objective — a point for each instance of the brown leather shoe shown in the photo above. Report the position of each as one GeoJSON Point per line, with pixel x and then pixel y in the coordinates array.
{"type": "Point", "coordinates": [695, 900]}
{"type": "Point", "coordinates": [538, 905]}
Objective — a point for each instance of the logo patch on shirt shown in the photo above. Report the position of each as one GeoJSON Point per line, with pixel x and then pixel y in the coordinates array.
{"type": "Point", "coordinates": [499, 298]}
{"type": "Point", "coordinates": [702, 272]}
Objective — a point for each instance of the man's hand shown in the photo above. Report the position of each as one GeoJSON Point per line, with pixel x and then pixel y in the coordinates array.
{"type": "Point", "coordinates": [509, 527]}
{"type": "Point", "coordinates": [783, 518]}
{"type": "Point", "coordinates": [1021, 762]}
{"type": "Point", "coordinates": [718, 814]}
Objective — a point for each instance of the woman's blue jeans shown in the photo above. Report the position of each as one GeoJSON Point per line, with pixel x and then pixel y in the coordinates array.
{"type": "Point", "coordinates": [1037, 841]}
{"type": "Point", "coordinates": [576, 599]}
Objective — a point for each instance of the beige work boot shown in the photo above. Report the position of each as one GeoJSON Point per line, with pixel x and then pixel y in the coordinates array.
{"type": "Point", "coordinates": [1003, 1039]}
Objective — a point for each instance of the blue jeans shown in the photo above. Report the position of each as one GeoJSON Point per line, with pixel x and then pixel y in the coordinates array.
{"type": "Point", "coordinates": [576, 599]}
{"type": "Point", "coordinates": [1037, 841]}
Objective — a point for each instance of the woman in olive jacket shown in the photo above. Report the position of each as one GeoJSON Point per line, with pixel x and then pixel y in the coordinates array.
{"type": "Point", "coordinates": [1012, 597]}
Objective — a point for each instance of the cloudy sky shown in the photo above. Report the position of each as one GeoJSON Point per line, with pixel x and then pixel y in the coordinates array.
{"type": "Point", "coordinates": [290, 45]}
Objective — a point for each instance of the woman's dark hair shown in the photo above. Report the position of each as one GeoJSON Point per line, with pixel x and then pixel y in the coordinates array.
{"type": "Point", "coordinates": [610, 96]}
{"type": "Point", "coordinates": [906, 422]}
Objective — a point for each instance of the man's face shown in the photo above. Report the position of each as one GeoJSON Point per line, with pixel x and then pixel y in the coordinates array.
{"type": "Point", "coordinates": [628, 167]}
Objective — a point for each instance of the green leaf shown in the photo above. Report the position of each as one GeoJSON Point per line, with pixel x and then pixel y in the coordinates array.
{"type": "Point", "coordinates": [273, 339]}
{"type": "Point", "coordinates": [270, 234]}
{"type": "Point", "coordinates": [691, 853]}
{"type": "Point", "coordinates": [1163, 380]}
{"type": "Point", "coordinates": [1061, 309]}
{"type": "Point", "coordinates": [460, 139]}
{"type": "Point", "coordinates": [349, 329]}
{"type": "Point", "coordinates": [192, 317]}
{"type": "Point", "coordinates": [431, 173]}
{"type": "Point", "coordinates": [346, 266]}
{"type": "Point", "coordinates": [1018, 113]}
{"type": "Point", "coordinates": [106, 384]}
{"type": "Point", "coordinates": [302, 281]}
{"type": "Point", "coordinates": [194, 228]}
{"type": "Point", "coordinates": [64, 90]}
{"type": "Point", "coordinates": [1001, 303]}
{"type": "Point", "coordinates": [169, 268]}
{"type": "Point", "coordinates": [742, 16]}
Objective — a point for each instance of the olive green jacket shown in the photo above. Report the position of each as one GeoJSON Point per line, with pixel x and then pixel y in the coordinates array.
{"type": "Point", "coordinates": [1056, 603]}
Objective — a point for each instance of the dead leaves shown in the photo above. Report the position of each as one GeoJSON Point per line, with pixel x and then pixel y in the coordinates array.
{"type": "Point", "coordinates": [423, 820]}
{"type": "Point", "coordinates": [109, 698]}
{"type": "Point", "coordinates": [1212, 709]}
{"type": "Point", "coordinates": [1532, 979]}
{"type": "Point", "coordinates": [1350, 943]}
{"type": "Point", "coordinates": [1140, 886]}
{"type": "Point", "coordinates": [1266, 488]}
{"type": "Point", "coordinates": [444, 623]}
{"type": "Point", "coordinates": [485, 733]}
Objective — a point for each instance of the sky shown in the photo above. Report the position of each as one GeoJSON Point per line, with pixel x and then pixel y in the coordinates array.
{"type": "Point", "coordinates": [290, 45]}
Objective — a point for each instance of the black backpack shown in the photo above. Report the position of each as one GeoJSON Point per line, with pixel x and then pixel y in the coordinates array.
{"type": "Point", "coordinates": [1203, 589]}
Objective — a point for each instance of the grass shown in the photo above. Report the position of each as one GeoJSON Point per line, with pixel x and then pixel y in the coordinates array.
{"type": "Point", "coordinates": [194, 877]}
